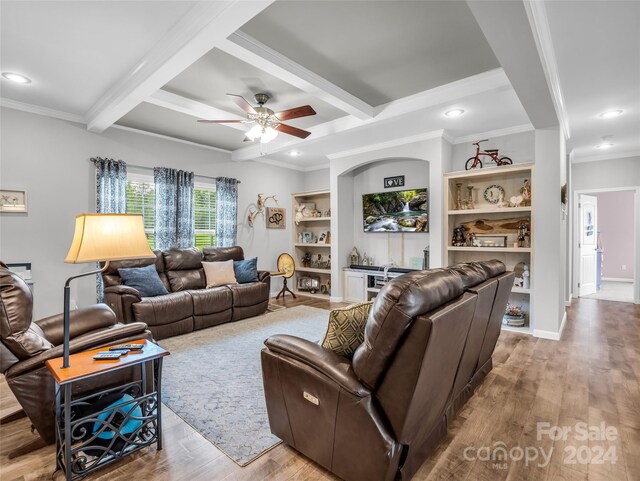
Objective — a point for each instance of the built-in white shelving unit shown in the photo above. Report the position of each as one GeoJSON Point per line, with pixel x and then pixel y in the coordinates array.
{"type": "Point", "coordinates": [315, 225]}
{"type": "Point", "coordinates": [511, 179]}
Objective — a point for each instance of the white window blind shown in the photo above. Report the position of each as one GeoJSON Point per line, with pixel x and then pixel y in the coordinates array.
{"type": "Point", "coordinates": [141, 198]}
{"type": "Point", "coordinates": [205, 216]}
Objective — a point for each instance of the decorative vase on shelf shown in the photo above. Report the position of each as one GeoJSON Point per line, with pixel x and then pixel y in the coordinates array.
{"type": "Point", "coordinates": [470, 197]}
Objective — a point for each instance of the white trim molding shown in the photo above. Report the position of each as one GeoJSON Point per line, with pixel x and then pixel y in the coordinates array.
{"type": "Point", "coordinates": [36, 109]}
{"type": "Point", "coordinates": [551, 335]}
{"type": "Point", "coordinates": [166, 137]}
{"type": "Point", "coordinates": [618, 279]}
{"type": "Point", "coordinates": [537, 15]}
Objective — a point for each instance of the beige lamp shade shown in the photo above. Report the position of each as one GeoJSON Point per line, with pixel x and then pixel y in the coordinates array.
{"type": "Point", "coordinates": [108, 237]}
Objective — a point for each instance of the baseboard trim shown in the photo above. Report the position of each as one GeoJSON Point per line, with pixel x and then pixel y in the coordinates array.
{"type": "Point", "coordinates": [551, 335]}
{"type": "Point", "coordinates": [618, 279]}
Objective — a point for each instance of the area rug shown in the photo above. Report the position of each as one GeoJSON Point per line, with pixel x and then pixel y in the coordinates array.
{"type": "Point", "coordinates": [213, 378]}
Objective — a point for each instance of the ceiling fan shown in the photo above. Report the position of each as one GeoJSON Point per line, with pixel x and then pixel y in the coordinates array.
{"type": "Point", "coordinates": [267, 123]}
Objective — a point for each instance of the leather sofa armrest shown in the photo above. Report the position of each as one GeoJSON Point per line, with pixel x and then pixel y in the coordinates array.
{"type": "Point", "coordinates": [121, 299]}
{"type": "Point", "coordinates": [325, 361]}
{"type": "Point", "coordinates": [263, 276]}
{"type": "Point", "coordinates": [117, 333]}
{"type": "Point", "coordinates": [81, 321]}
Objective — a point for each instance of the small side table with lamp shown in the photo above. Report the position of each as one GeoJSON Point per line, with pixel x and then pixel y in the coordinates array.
{"type": "Point", "coordinates": [103, 238]}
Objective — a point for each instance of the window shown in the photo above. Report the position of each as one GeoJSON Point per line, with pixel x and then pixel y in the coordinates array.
{"type": "Point", "coordinates": [205, 216]}
{"type": "Point", "coordinates": [141, 200]}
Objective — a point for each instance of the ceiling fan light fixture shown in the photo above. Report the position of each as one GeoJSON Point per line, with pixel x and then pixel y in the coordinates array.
{"type": "Point", "coordinates": [268, 135]}
{"type": "Point", "coordinates": [609, 114]}
{"type": "Point", "coordinates": [454, 113]}
{"type": "Point", "coordinates": [254, 133]}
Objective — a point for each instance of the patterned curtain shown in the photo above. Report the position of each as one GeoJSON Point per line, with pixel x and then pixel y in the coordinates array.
{"type": "Point", "coordinates": [175, 219]}
{"type": "Point", "coordinates": [226, 211]}
{"type": "Point", "coordinates": [111, 195]}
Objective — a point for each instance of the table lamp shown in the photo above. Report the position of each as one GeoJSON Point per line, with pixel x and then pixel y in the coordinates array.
{"type": "Point", "coordinates": [103, 238]}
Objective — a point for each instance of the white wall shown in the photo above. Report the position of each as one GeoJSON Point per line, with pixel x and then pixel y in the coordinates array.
{"type": "Point", "coordinates": [49, 158]}
{"type": "Point", "coordinates": [519, 147]}
{"type": "Point", "coordinates": [316, 180]}
{"type": "Point", "coordinates": [388, 247]}
{"type": "Point", "coordinates": [606, 174]}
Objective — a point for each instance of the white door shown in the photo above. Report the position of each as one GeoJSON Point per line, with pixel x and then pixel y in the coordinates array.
{"type": "Point", "coordinates": [587, 244]}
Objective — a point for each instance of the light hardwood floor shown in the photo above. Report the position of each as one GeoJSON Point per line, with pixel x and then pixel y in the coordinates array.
{"type": "Point", "coordinates": [592, 375]}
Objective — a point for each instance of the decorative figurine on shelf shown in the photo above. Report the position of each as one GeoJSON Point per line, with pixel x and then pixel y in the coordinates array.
{"type": "Point", "coordinates": [365, 259]}
{"type": "Point", "coordinates": [514, 316]}
{"type": "Point", "coordinates": [525, 192]}
{"type": "Point", "coordinates": [329, 262]}
{"type": "Point", "coordinates": [459, 196]}
{"type": "Point", "coordinates": [300, 238]}
{"type": "Point", "coordinates": [470, 197]}
{"type": "Point", "coordinates": [354, 257]}
{"type": "Point", "coordinates": [471, 240]}
{"type": "Point", "coordinates": [516, 200]}
{"type": "Point", "coordinates": [525, 278]}
{"type": "Point", "coordinates": [306, 260]}
{"type": "Point", "coordinates": [522, 232]}
{"type": "Point", "coordinates": [301, 213]}
{"type": "Point", "coordinates": [458, 238]}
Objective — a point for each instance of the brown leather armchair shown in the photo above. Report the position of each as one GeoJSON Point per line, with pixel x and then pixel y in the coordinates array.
{"type": "Point", "coordinates": [26, 345]}
{"type": "Point", "coordinates": [377, 416]}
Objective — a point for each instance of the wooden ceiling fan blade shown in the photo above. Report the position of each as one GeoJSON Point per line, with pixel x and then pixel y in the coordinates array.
{"type": "Point", "coordinates": [220, 121]}
{"type": "Point", "coordinates": [242, 103]}
{"type": "Point", "coordinates": [287, 129]}
{"type": "Point", "coordinates": [297, 112]}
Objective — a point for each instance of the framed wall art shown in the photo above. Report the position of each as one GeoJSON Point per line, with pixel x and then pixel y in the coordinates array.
{"type": "Point", "coordinates": [276, 218]}
{"type": "Point", "coordinates": [13, 200]}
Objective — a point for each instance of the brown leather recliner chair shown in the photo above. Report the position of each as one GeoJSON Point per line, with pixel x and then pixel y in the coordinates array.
{"type": "Point", "coordinates": [379, 415]}
{"type": "Point", "coordinates": [26, 345]}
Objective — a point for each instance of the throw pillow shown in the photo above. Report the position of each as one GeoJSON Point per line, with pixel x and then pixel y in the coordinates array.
{"type": "Point", "coordinates": [345, 331]}
{"type": "Point", "coordinates": [219, 273]}
{"type": "Point", "coordinates": [246, 271]}
{"type": "Point", "coordinates": [144, 279]}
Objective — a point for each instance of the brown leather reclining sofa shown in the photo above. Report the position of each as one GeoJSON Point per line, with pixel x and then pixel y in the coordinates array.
{"type": "Point", "coordinates": [428, 343]}
{"type": "Point", "coordinates": [189, 306]}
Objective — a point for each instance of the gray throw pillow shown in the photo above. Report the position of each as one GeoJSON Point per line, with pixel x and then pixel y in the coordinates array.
{"type": "Point", "coordinates": [144, 279]}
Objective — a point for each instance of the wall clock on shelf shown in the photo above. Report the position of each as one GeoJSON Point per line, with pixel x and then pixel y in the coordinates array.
{"type": "Point", "coordinates": [494, 193]}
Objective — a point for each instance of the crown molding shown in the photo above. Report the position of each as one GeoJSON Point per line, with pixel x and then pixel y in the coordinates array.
{"type": "Point", "coordinates": [537, 16]}
{"type": "Point", "coordinates": [37, 109]}
{"type": "Point", "coordinates": [196, 33]}
{"type": "Point", "coordinates": [576, 159]}
{"type": "Point", "coordinates": [173, 139]}
{"type": "Point", "coordinates": [435, 134]}
{"type": "Point", "coordinates": [248, 49]}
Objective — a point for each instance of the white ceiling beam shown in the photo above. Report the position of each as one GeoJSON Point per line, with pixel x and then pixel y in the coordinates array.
{"type": "Point", "coordinates": [200, 30]}
{"type": "Point", "coordinates": [184, 105]}
{"type": "Point", "coordinates": [443, 95]}
{"type": "Point", "coordinates": [253, 52]}
{"type": "Point", "coordinates": [537, 14]}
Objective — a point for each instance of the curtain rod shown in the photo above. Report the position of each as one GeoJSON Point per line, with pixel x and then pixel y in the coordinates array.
{"type": "Point", "coordinates": [144, 167]}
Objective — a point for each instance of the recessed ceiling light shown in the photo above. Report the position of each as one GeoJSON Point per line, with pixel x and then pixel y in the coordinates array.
{"type": "Point", "coordinates": [294, 153]}
{"type": "Point", "coordinates": [454, 113]}
{"type": "Point", "coordinates": [16, 77]}
{"type": "Point", "coordinates": [604, 145]}
{"type": "Point", "coordinates": [610, 114]}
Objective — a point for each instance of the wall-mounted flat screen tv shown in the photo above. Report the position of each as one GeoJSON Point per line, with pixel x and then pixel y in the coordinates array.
{"type": "Point", "coordinates": [400, 211]}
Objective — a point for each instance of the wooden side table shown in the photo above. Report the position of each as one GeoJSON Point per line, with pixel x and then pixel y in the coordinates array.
{"type": "Point", "coordinates": [88, 439]}
{"type": "Point", "coordinates": [285, 288]}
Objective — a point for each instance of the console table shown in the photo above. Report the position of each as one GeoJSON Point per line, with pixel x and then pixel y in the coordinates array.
{"type": "Point", "coordinates": [89, 439]}
{"type": "Point", "coordinates": [362, 283]}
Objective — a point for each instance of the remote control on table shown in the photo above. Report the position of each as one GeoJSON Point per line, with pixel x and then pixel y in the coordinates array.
{"type": "Point", "coordinates": [107, 356]}
{"type": "Point", "coordinates": [121, 351]}
{"type": "Point", "coordinates": [130, 347]}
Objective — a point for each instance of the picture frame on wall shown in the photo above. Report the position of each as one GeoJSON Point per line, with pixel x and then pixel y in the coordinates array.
{"type": "Point", "coordinates": [13, 200]}
{"type": "Point", "coordinates": [276, 218]}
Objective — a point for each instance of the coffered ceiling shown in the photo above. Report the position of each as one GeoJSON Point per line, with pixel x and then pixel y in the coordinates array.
{"type": "Point", "coordinates": [374, 71]}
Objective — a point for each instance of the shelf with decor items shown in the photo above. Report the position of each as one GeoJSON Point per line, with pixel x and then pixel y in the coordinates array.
{"type": "Point", "coordinates": [311, 242]}
{"type": "Point", "coordinates": [484, 219]}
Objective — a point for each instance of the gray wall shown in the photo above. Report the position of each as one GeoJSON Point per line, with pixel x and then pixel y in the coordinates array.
{"type": "Point", "coordinates": [518, 147]}
{"type": "Point", "coordinates": [605, 174]}
{"type": "Point", "coordinates": [49, 158]}
{"type": "Point", "coordinates": [316, 180]}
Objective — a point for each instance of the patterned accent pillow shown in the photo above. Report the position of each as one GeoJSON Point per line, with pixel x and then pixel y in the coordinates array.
{"type": "Point", "coordinates": [345, 331]}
